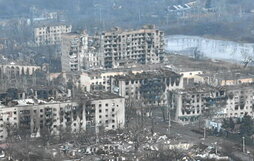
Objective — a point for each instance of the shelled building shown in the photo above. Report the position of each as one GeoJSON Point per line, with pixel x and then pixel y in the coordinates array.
{"type": "Point", "coordinates": [50, 34]}
{"type": "Point", "coordinates": [80, 52]}
{"type": "Point", "coordinates": [150, 86]}
{"type": "Point", "coordinates": [100, 79]}
{"type": "Point", "coordinates": [15, 70]}
{"type": "Point", "coordinates": [191, 77]}
{"type": "Point", "coordinates": [240, 101]}
{"type": "Point", "coordinates": [104, 110]}
{"type": "Point", "coordinates": [34, 117]}
{"type": "Point", "coordinates": [191, 103]}
{"type": "Point", "coordinates": [145, 46]}
{"type": "Point", "coordinates": [73, 48]}
{"type": "Point", "coordinates": [17, 75]}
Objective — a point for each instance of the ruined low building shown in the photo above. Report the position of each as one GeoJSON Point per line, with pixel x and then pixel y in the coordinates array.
{"type": "Point", "coordinates": [240, 101]}
{"type": "Point", "coordinates": [100, 79]}
{"type": "Point", "coordinates": [13, 69]}
{"type": "Point", "coordinates": [17, 75]}
{"type": "Point", "coordinates": [151, 87]}
{"type": "Point", "coordinates": [192, 103]}
{"type": "Point", "coordinates": [191, 77]}
{"type": "Point", "coordinates": [226, 78]}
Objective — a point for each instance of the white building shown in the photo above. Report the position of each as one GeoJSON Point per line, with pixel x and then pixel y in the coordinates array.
{"type": "Point", "coordinates": [105, 110]}
{"type": "Point", "coordinates": [190, 77]}
{"type": "Point", "coordinates": [240, 101]}
{"type": "Point", "coordinates": [77, 54]}
{"type": "Point", "coordinates": [50, 35]}
{"type": "Point", "coordinates": [30, 117]}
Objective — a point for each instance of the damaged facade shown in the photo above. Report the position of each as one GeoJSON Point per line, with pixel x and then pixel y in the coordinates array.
{"type": "Point", "coordinates": [240, 101]}
{"type": "Point", "coordinates": [191, 103]}
{"type": "Point", "coordinates": [36, 116]}
{"type": "Point", "coordinates": [50, 34]}
{"type": "Point", "coordinates": [105, 110]}
{"type": "Point", "coordinates": [18, 75]}
{"type": "Point", "coordinates": [219, 102]}
{"type": "Point", "coordinates": [100, 79]}
{"type": "Point", "coordinates": [150, 86]}
{"type": "Point", "coordinates": [73, 49]}
{"type": "Point", "coordinates": [144, 46]}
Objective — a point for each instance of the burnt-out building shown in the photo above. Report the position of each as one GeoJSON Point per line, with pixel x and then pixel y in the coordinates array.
{"type": "Point", "coordinates": [151, 86]}
{"type": "Point", "coordinates": [145, 46]}
{"type": "Point", "coordinates": [191, 103]}
{"type": "Point", "coordinates": [36, 117]}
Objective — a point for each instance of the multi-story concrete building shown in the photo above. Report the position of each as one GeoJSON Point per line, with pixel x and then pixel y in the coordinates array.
{"type": "Point", "coordinates": [78, 54]}
{"type": "Point", "coordinates": [227, 78]}
{"type": "Point", "coordinates": [151, 86]}
{"type": "Point", "coordinates": [100, 79]}
{"type": "Point", "coordinates": [240, 101]}
{"type": "Point", "coordinates": [221, 102]}
{"type": "Point", "coordinates": [190, 103]}
{"type": "Point", "coordinates": [105, 110]}
{"type": "Point", "coordinates": [92, 59]}
{"type": "Point", "coordinates": [145, 46]}
{"type": "Point", "coordinates": [31, 117]}
{"type": "Point", "coordinates": [51, 34]}
{"type": "Point", "coordinates": [73, 48]}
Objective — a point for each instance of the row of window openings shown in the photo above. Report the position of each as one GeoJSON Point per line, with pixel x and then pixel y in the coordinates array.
{"type": "Point", "coordinates": [106, 121]}
{"type": "Point", "coordinates": [100, 105]}
{"type": "Point", "coordinates": [106, 110]}
{"type": "Point", "coordinates": [100, 116]}
{"type": "Point", "coordinates": [100, 77]}
{"type": "Point", "coordinates": [246, 113]}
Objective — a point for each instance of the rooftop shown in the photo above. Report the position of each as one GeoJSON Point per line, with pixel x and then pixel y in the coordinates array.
{"type": "Point", "coordinates": [161, 73]}
{"type": "Point", "coordinates": [200, 88]}
{"type": "Point", "coordinates": [20, 63]}
{"type": "Point", "coordinates": [50, 24]}
{"type": "Point", "coordinates": [150, 67]}
{"type": "Point", "coordinates": [146, 28]}
{"type": "Point", "coordinates": [99, 96]}
{"type": "Point", "coordinates": [30, 102]}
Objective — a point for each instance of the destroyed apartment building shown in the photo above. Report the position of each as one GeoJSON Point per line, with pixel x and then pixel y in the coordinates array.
{"type": "Point", "coordinates": [50, 34]}
{"type": "Point", "coordinates": [112, 49]}
{"type": "Point", "coordinates": [193, 102]}
{"type": "Point", "coordinates": [151, 87]}
{"type": "Point", "coordinates": [73, 49]}
{"type": "Point", "coordinates": [79, 52]}
{"type": "Point", "coordinates": [144, 46]}
{"type": "Point", "coordinates": [240, 101]}
{"type": "Point", "coordinates": [100, 79]}
{"type": "Point", "coordinates": [33, 116]}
